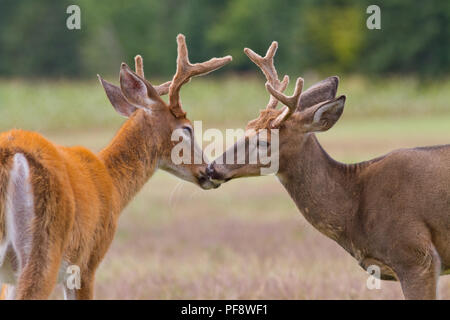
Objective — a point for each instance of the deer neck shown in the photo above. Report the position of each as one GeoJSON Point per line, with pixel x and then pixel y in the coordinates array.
{"type": "Point", "coordinates": [132, 156]}
{"type": "Point", "coordinates": [322, 188]}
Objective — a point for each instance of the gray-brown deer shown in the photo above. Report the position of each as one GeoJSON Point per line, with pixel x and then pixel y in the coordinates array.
{"type": "Point", "coordinates": [59, 206]}
{"type": "Point", "coordinates": [392, 211]}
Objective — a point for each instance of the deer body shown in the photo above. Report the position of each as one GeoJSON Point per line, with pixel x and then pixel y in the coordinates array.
{"type": "Point", "coordinates": [392, 212]}
{"type": "Point", "coordinates": [388, 212]}
{"type": "Point", "coordinates": [84, 194]}
{"type": "Point", "coordinates": [73, 219]}
{"type": "Point", "coordinates": [59, 206]}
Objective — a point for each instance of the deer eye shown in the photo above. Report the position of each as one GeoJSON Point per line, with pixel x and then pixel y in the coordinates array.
{"type": "Point", "coordinates": [188, 130]}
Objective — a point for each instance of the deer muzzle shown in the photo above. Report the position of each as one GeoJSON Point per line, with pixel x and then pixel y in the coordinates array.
{"type": "Point", "coordinates": [215, 175]}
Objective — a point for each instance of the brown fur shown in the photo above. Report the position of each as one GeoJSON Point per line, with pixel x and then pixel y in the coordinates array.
{"type": "Point", "coordinates": [266, 117]}
{"type": "Point", "coordinates": [4, 176]}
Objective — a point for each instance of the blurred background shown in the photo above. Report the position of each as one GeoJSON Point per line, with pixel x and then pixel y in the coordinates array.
{"type": "Point", "coordinates": [246, 239]}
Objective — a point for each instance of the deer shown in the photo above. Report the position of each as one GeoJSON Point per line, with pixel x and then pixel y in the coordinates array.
{"type": "Point", "coordinates": [60, 205]}
{"type": "Point", "coordinates": [392, 212]}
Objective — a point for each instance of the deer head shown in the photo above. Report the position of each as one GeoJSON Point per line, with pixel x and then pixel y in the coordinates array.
{"type": "Point", "coordinates": [314, 110]}
{"type": "Point", "coordinates": [138, 99]}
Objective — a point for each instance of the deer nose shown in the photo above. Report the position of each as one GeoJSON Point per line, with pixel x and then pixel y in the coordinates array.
{"type": "Point", "coordinates": [209, 170]}
{"type": "Point", "coordinates": [213, 174]}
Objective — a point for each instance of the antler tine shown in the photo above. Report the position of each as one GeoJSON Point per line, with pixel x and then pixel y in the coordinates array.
{"type": "Point", "coordinates": [289, 102]}
{"type": "Point", "coordinates": [186, 70]}
{"type": "Point", "coordinates": [162, 89]}
{"type": "Point", "coordinates": [267, 66]}
{"type": "Point", "coordinates": [273, 102]}
{"type": "Point", "coordinates": [292, 101]}
{"type": "Point", "coordinates": [139, 66]}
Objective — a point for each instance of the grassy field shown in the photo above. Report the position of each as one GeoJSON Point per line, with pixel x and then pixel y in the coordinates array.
{"type": "Point", "coordinates": [245, 240]}
{"type": "Point", "coordinates": [231, 101]}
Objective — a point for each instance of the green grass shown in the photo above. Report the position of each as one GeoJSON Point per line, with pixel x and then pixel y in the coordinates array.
{"type": "Point", "coordinates": [54, 105]}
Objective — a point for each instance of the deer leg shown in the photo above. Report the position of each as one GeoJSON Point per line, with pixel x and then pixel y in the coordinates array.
{"type": "Point", "coordinates": [39, 276]}
{"type": "Point", "coordinates": [37, 253]}
{"type": "Point", "coordinates": [87, 277]}
{"type": "Point", "coordinates": [86, 290]}
{"type": "Point", "coordinates": [69, 294]}
{"type": "Point", "coordinates": [419, 287]}
{"type": "Point", "coordinates": [39, 269]}
{"type": "Point", "coordinates": [420, 281]}
{"type": "Point", "coordinates": [3, 292]}
{"type": "Point", "coordinates": [8, 292]}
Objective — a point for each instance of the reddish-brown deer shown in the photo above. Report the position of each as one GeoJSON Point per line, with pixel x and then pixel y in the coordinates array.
{"type": "Point", "coordinates": [393, 211]}
{"type": "Point", "coordinates": [59, 205]}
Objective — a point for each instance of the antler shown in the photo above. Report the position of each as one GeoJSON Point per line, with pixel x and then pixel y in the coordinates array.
{"type": "Point", "coordinates": [291, 102]}
{"type": "Point", "coordinates": [162, 89]}
{"type": "Point", "coordinates": [267, 67]}
{"type": "Point", "coordinates": [186, 70]}
{"type": "Point", "coordinates": [139, 65]}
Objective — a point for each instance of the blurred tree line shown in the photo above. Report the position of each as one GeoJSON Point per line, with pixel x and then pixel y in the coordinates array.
{"type": "Point", "coordinates": [322, 35]}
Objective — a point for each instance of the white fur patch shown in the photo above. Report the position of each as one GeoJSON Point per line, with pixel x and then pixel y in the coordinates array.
{"type": "Point", "coordinates": [19, 212]}
{"type": "Point", "coordinates": [326, 107]}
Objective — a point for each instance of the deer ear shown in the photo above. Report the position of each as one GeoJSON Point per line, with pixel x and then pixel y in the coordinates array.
{"type": "Point", "coordinates": [319, 92]}
{"type": "Point", "coordinates": [115, 96]}
{"type": "Point", "coordinates": [137, 90]}
{"type": "Point", "coordinates": [325, 115]}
